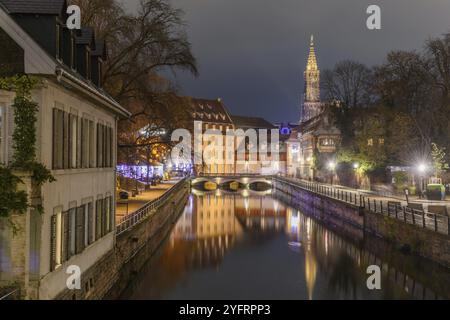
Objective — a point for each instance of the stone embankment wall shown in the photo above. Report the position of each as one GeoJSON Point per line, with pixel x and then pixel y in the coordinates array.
{"type": "Point", "coordinates": [111, 275]}
{"type": "Point", "coordinates": [409, 238]}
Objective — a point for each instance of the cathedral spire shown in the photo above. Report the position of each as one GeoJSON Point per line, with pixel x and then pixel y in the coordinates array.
{"type": "Point", "coordinates": [311, 100]}
{"type": "Point", "coordinates": [312, 60]}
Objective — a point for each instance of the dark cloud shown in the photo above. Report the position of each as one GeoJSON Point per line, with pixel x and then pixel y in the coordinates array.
{"type": "Point", "coordinates": [252, 53]}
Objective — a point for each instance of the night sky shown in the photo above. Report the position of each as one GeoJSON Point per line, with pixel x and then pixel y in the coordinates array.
{"type": "Point", "coordinates": [252, 53]}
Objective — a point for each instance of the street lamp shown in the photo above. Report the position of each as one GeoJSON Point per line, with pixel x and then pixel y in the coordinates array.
{"type": "Point", "coordinates": [356, 167]}
{"type": "Point", "coordinates": [331, 167]}
{"type": "Point", "coordinates": [422, 169]}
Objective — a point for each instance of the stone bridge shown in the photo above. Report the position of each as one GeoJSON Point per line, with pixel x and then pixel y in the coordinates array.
{"type": "Point", "coordinates": [224, 181]}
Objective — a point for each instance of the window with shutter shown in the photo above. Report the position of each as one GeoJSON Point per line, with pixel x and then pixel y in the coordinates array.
{"type": "Point", "coordinates": [85, 143]}
{"type": "Point", "coordinates": [58, 138]}
{"type": "Point", "coordinates": [80, 219]}
{"type": "Point", "coordinates": [108, 215]}
{"type": "Point", "coordinates": [78, 143]}
{"type": "Point", "coordinates": [111, 143]}
{"type": "Point", "coordinates": [105, 217]}
{"type": "Point", "coordinates": [91, 145]}
{"type": "Point", "coordinates": [73, 140]}
{"type": "Point", "coordinates": [99, 146]}
{"type": "Point", "coordinates": [66, 135]}
{"type": "Point", "coordinates": [65, 237]}
{"type": "Point", "coordinates": [53, 236]}
{"type": "Point", "coordinates": [98, 219]}
{"type": "Point", "coordinates": [104, 147]}
{"type": "Point", "coordinates": [91, 235]}
{"type": "Point", "coordinates": [72, 231]}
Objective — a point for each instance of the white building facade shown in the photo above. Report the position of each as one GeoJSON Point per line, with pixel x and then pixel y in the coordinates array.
{"type": "Point", "coordinates": [76, 138]}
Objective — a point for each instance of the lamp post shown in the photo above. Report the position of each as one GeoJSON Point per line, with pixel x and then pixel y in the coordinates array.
{"type": "Point", "coordinates": [422, 169]}
{"type": "Point", "coordinates": [356, 167]}
{"type": "Point", "coordinates": [331, 167]}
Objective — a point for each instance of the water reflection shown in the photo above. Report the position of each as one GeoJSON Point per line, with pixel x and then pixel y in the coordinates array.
{"type": "Point", "coordinates": [247, 246]}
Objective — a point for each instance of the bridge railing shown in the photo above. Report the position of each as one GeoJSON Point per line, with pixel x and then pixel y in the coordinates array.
{"type": "Point", "coordinates": [130, 220]}
{"type": "Point", "coordinates": [393, 209]}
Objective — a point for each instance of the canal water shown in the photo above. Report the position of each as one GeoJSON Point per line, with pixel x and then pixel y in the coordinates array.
{"type": "Point", "coordinates": [257, 246]}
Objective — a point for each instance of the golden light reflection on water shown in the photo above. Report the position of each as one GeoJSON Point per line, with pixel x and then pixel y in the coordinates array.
{"type": "Point", "coordinates": [214, 224]}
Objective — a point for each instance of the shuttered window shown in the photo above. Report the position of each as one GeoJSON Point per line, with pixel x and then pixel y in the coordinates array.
{"type": "Point", "coordinates": [85, 143]}
{"type": "Point", "coordinates": [72, 231]}
{"type": "Point", "coordinates": [80, 229]}
{"type": "Point", "coordinates": [73, 140]}
{"type": "Point", "coordinates": [53, 249]}
{"type": "Point", "coordinates": [100, 157]}
{"type": "Point", "coordinates": [91, 223]}
{"type": "Point", "coordinates": [91, 145]}
{"type": "Point", "coordinates": [98, 219]}
{"type": "Point", "coordinates": [65, 237]}
{"type": "Point", "coordinates": [66, 139]}
{"type": "Point", "coordinates": [58, 139]}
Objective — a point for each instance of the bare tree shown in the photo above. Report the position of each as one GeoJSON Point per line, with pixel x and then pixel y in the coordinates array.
{"type": "Point", "coordinates": [348, 83]}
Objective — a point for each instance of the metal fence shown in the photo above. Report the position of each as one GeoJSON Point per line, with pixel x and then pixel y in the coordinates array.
{"type": "Point", "coordinates": [393, 209]}
{"type": "Point", "coordinates": [130, 220]}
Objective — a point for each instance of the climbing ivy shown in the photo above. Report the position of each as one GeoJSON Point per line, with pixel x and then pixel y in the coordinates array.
{"type": "Point", "coordinates": [24, 145]}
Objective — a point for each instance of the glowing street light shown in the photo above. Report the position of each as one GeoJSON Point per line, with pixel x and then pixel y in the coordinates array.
{"type": "Point", "coordinates": [356, 165]}
{"type": "Point", "coordinates": [331, 165]}
{"type": "Point", "coordinates": [422, 167]}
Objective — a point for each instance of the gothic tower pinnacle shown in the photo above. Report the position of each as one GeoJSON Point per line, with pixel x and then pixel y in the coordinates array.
{"type": "Point", "coordinates": [311, 99]}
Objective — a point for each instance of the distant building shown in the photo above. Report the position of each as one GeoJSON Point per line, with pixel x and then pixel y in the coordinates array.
{"type": "Point", "coordinates": [318, 136]}
{"type": "Point", "coordinates": [274, 163]}
{"type": "Point", "coordinates": [214, 116]}
{"type": "Point", "coordinates": [76, 139]}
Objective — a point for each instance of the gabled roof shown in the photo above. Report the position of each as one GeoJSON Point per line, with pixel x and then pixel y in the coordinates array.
{"type": "Point", "coordinates": [209, 111]}
{"type": "Point", "coordinates": [252, 122]}
{"type": "Point", "coordinates": [52, 7]}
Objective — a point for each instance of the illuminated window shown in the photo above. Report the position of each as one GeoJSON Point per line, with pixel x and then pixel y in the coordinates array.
{"type": "Point", "coordinates": [327, 142]}
{"type": "Point", "coordinates": [381, 141]}
{"type": "Point", "coordinates": [370, 142]}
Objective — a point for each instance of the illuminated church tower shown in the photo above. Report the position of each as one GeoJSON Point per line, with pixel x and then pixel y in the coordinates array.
{"type": "Point", "coordinates": [311, 98]}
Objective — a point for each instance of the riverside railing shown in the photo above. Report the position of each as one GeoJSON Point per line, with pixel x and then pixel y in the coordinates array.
{"type": "Point", "coordinates": [393, 209]}
{"type": "Point", "coordinates": [130, 220]}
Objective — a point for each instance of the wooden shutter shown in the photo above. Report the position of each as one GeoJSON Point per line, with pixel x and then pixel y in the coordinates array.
{"type": "Point", "coordinates": [53, 243]}
{"type": "Point", "coordinates": [80, 229]}
{"type": "Point", "coordinates": [79, 154]}
{"type": "Point", "coordinates": [91, 144]}
{"type": "Point", "coordinates": [105, 224]}
{"type": "Point", "coordinates": [55, 140]}
{"type": "Point", "coordinates": [72, 231]}
{"type": "Point", "coordinates": [90, 227]}
{"type": "Point", "coordinates": [65, 236]}
{"type": "Point", "coordinates": [66, 139]}
{"type": "Point", "coordinates": [98, 220]}
{"type": "Point", "coordinates": [111, 214]}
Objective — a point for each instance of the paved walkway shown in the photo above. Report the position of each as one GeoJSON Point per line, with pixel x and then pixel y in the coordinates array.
{"type": "Point", "coordinates": [135, 203]}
